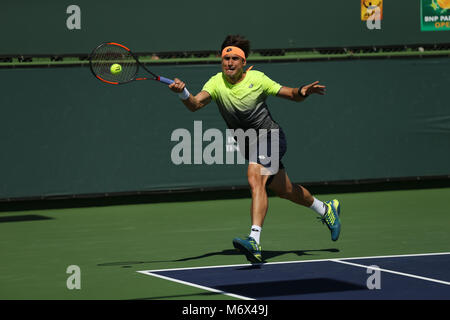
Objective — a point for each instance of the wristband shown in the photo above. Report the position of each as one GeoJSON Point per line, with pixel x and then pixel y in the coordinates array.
{"type": "Point", "coordinates": [184, 95]}
{"type": "Point", "coordinates": [300, 92]}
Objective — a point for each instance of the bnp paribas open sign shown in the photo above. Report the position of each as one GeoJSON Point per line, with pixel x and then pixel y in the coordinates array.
{"type": "Point", "coordinates": [435, 15]}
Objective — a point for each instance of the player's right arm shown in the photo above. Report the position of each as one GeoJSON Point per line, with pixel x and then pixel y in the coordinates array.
{"type": "Point", "coordinates": [193, 103]}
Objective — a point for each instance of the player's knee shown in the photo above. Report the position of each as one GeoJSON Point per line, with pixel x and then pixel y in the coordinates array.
{"type": "Point", "coordinates": [285, 193]}
{"type": "Point", "coordinates": [255, 182]}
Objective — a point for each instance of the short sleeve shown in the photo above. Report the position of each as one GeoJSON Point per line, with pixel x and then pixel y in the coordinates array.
{"type": "Point", "coordinates": [210, 87]}
{"type": "Point", "coordinates": [270, 87]}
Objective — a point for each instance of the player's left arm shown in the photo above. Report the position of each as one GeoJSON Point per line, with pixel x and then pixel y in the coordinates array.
{"type": "Point", "coordinates": [300, 94]}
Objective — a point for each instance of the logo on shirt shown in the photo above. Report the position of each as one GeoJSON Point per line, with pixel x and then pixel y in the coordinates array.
{"type": "Point", "coordinates": [251, 85]}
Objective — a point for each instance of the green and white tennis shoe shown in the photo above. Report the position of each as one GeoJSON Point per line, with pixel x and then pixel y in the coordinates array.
{"type": "Point", "coordinates": [331, 218]}
{"type": "Point", "coordinates": [250, 248]}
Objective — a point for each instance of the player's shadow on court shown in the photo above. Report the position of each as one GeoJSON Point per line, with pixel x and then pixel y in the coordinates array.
{"type": "Point", "coordinates": [266, 254]}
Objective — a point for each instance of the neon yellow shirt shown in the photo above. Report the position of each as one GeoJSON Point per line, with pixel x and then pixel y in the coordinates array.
{"type": "Point", "coordinates": [242, 105]}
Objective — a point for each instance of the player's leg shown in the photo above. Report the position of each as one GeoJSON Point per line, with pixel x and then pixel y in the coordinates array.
{"type": "Point", "coordinates": [250, 246]}
{"type": "Point", "coordinates": [284, 188]}
{"type": "Point", "coordinates": [257, 183]}
{"type": "Point", "coordinates": [329, 210]}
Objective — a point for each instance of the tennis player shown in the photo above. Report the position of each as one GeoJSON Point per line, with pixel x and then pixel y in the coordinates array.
{"type": "Point", "coordinates": [241, 97]}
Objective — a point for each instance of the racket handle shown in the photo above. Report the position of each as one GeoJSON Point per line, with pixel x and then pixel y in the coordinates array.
{"type": "Point", "coordinates": [165, 80]}
{"type": "Point", "coordinates": [169, 81]}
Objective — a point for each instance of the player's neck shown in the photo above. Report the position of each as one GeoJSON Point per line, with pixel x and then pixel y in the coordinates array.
{"type": "Point", "coordinates": [238, 78]}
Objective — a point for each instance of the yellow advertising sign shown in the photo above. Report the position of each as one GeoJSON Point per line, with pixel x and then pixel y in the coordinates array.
{"type": "Point", "coordinates": [371, 9]}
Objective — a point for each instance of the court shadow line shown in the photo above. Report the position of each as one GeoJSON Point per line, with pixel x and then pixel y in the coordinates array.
{"type": "Point", "coordinates": [267, 254]}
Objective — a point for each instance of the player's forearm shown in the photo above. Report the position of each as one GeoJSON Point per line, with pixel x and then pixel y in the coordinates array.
{"type": "Point", "coordinates": [292, 94]}
{"type": "Point", "coordinates": [191, 103]}
{"type": "Point", "coordinates": [194, 103]}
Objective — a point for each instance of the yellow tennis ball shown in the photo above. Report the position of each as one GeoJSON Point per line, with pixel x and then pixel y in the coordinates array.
{"type": "Point", "coordinates": [116, 68]}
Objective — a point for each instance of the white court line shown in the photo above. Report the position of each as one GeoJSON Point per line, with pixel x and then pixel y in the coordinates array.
{"type": "Point", "coordinates": [399, 256]}
{"type": "Point", "coordinates": [197, 286]}
{"type": "Point", "coordinates": [391, 271]}
{"type": "Point", "coordinates": [151, 272]}
{"type": "Point", "coordinates": [297, 261]}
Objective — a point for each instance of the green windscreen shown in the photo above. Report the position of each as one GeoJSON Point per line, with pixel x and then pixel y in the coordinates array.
{"type": "Point", "coordinates": [64, 132]}
{"type": "Point", "coordinates": [58, 27]}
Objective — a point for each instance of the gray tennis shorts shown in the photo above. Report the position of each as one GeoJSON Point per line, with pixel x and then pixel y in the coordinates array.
{"type": "Point", "coordinates": [267, 150]}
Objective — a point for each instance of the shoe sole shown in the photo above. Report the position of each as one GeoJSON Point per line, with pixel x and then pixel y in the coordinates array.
{"type": "Point", "coordinates": [242, 249]}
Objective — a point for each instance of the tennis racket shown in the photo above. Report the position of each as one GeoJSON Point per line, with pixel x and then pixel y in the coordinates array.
{"type": "Point", "coordinates": [105, 58]}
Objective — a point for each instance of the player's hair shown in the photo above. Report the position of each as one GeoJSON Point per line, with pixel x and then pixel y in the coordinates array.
{"type": "Point", "coordinates": [237, 40]}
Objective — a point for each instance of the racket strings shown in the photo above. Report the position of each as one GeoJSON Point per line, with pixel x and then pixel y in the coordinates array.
{"type": "Point", "coordinates": [105, 56]}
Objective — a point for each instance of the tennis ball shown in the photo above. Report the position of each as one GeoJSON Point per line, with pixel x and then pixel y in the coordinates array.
{"type": "Point", "coordinates": [116, 68]}
{"type": "Point", "coordinates": [444, 4]}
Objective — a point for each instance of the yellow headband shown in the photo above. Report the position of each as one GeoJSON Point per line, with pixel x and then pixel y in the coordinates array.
{"type": "Point", "coordinates": [233, 50]}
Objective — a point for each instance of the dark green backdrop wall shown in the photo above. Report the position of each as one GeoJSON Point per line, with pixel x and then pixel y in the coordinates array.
{"type": "Point", "coordinates": [39, 27]}
{"type": "Point", "coordinates": [63, 132]}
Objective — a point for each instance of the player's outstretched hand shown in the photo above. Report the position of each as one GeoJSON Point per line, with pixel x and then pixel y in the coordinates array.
{"type": "Point", "coordinates": [314, 87]}
{"type": "Point", "coordinates": [177, 85]}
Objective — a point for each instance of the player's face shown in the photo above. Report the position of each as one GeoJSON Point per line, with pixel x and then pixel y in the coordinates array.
{"type": "Point", "coordinates": [233, 66]}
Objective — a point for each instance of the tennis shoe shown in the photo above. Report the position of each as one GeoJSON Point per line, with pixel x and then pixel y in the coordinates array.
{"type": "Point", "coordinates": [331, 218]}
{"type": "Point", "coordinates": [250, 248]}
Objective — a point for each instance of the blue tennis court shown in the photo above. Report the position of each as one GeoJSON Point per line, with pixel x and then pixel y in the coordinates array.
{"type": "Point", "coordinates": [423, 276]}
